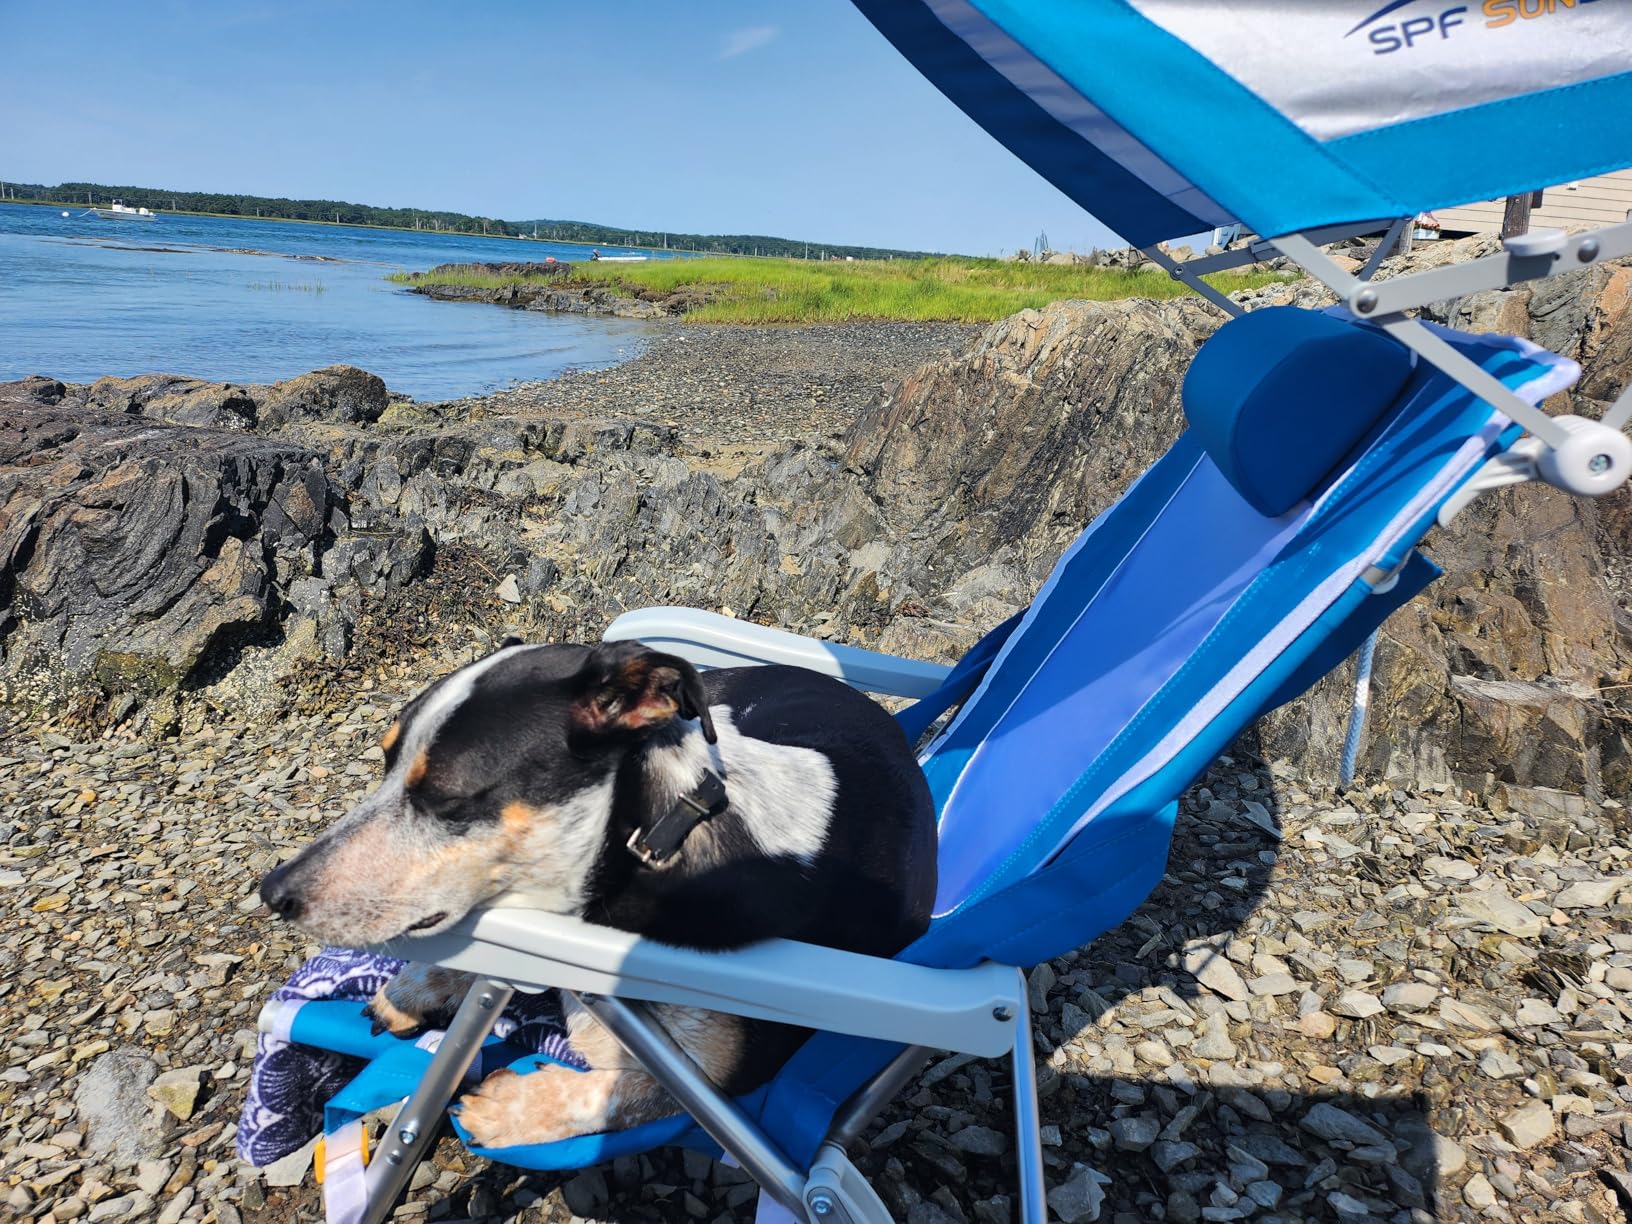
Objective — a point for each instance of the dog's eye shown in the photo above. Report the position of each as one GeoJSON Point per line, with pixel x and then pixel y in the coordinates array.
{"type": "Point", "coordinates": [458, 810]}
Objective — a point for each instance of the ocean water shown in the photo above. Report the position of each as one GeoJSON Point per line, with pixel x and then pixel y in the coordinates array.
{"type": "Point", "coordinates": [257, 301]}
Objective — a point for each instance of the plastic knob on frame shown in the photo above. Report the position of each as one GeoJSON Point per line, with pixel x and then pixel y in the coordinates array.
{"type": "Point", "coordinates": [1592, 461]}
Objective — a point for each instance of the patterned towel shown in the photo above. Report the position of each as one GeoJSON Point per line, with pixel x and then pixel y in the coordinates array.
{"type": "Point", "coordinates": [290, 1083]}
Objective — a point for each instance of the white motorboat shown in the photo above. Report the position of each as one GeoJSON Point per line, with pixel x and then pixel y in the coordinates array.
{"type": "Point", "coordinates": [120, 211]}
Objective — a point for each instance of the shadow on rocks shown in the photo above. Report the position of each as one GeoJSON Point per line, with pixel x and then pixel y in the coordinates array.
{"type": "Point", "coordinates": [1181, 1061]}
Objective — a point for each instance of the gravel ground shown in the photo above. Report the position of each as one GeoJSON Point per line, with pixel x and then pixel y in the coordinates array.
{"type": "Point", "coordinates": [1375, 1005]}
{"type": "Point", "coordinates": [737, 392]}
{"type": "Point", "coordinates": [1397, 1007]}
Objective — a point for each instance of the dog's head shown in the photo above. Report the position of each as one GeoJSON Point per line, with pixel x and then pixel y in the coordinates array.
{"type": "Point", "coordinates": [498, 779]}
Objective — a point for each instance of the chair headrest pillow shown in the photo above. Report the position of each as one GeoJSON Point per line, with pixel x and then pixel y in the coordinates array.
{"type": "Point", "coordinates": [1279, 396]}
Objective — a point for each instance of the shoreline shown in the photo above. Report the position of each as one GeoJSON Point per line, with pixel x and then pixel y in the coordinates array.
{"type": "Point", "coordinates": [398, 229]}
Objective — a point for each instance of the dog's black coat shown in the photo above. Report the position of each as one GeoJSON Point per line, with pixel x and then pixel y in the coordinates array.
{"type": "Point", "coordinates": [870, 889]}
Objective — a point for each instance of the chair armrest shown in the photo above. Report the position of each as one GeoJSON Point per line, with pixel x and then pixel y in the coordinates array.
{"type": "Point", "coordinates": [708, 639]}
{"type": "Point", "coordinates": [972, 1011]}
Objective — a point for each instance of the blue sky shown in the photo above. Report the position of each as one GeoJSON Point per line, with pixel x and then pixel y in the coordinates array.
{"type": "Point", "coordinates": [792, 118]}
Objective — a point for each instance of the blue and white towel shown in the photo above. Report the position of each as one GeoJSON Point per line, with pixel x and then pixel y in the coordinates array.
{"type": "Point", "coordinates": [290, 1083]}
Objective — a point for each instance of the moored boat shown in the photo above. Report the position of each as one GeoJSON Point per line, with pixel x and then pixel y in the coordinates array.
{"type": "Point", "coordinates": [120, 211]}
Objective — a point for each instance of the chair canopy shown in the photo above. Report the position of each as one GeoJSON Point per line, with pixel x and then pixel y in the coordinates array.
{"type": "Point", "coordinates": [1165, 118]}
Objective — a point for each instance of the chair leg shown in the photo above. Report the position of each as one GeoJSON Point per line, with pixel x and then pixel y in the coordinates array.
{"type": "Point", "coordinates": [417, 1122]}
{"type": "Point", "coordinates": [864, 1105]}
{"type": "Point", "coordinates": [715, 1112]}
{"type": "Point", "coordinates": [1028, 1136]}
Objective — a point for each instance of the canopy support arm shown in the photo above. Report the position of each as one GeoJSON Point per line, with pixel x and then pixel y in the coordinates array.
{"type": "Point", "coordinates": [1385, 248]}
{"type": "Point", "coordinates": [1262, 250]}
{"type": "Point", "coordinates": [1418, 338]}
{"type": "Point", "coordinates": [1537, 255]}
{"type": "Point", "coordinates": [1619, 415]}
{"type": "Point", "coordinates": [1180, 272]}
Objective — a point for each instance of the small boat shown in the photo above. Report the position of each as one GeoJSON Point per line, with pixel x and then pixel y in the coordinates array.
{"type": "Point", "coordinates": [120, 211]}
{"type": "Point", "coordinates": [597, 257]}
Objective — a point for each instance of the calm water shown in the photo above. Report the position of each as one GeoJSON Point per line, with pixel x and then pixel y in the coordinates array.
{"type": "Point", "coordinates": [81, 297]}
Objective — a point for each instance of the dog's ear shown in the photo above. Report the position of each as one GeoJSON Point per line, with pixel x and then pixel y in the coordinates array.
{"type": "Point", "coordinates": [510, 640]}
{"type": "Point", "coordinates": [628, 688]}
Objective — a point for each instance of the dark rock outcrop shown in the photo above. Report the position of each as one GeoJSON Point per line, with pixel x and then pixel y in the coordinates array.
{"type": "Point", "coordinates": [139, 555]}
{"type": "Point", "coordinates": [174, 398]}
{"type": "Point", "coordinates": [337, 394]}
{"type": "Point", "coordinates": [548, 287]}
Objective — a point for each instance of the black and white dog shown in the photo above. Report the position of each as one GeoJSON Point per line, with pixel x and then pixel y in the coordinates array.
{"type": "Point", "coordinates": [588, 781]}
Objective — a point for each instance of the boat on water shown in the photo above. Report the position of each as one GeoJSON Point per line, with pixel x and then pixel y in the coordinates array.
{"type": "Point", "coordinates": [120, 211]}
{"type": "Point", "coordinates": [597, 257]}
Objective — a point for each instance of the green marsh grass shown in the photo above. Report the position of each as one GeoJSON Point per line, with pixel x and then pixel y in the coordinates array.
{"type": "Point", "coordinates": [799, 291]}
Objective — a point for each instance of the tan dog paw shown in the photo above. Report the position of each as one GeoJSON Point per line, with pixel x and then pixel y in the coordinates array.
{"type": "Point", "coordinates": [500, 1112]}
{"type": "Point", "coordinates": [549, 1104]}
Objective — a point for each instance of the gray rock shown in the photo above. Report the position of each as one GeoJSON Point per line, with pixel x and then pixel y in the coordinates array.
{"type": "Point", "coordinates": [112, 1101]}
{"type": "Point", "coordinates": [1529, 1125]}
{"type": "Point", "coordinates": [1214, 1041]}
{"type": "Point", "coordinates": [1330, 1122]}
{"type": "Point", "coordinates": [585, 1192]}
{"type": "Point", "coordinates": [1410, 996]}
{"type": "Point", "coordinates": [1134, 1134]}
{"type": "Point", "coordinates": [1356, 1004]}
{"type": "Point", "coordinates": [1493, 907]}
{"type": "Point", "coordinates": [1537, 1011]}
{"type": "Point", "coordinates": [981, 1141]}
{"type": "Point", "coordinates": [1590, 894]}
{"type": "Point", "coordinates": [1477, 1193]}
{"type": "Point", "coordinates": [1205, 961]}
{"type": "Point", "coordinates": [290, 1170]}
{"type": "Point", "coordinates": [338, 393]}
{"type": "Point", "coordinates": [1499, 1065]}
{"type": "Point", "coordinates": [1169, 1155]}
{"type": "Point", "coordinates": [1078, 1199]}
{"type": "Point", "coordinates": [1266, 1194]}
{"type": "Point", "coordinates": [1271, 1150]}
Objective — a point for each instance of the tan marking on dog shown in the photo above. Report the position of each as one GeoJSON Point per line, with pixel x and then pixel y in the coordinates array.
{"type": "Point", "coordinates": [418, 995]}
{"type": "Point", "coordinates": [416, 770]}
{"type": "Point", "coordinates": [555, 1103]}
{"type": "Point", "coordinates": [518, 817]}
{"type": "Point", "coordinates": [392, 734]}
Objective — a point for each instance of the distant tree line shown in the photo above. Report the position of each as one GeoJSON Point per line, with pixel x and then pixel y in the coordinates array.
{"type": "Point", "coordinates": [341, 212]}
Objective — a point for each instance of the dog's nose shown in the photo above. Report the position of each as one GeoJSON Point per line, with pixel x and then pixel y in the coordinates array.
{"type": "Point", "coordinates": [281, 897]}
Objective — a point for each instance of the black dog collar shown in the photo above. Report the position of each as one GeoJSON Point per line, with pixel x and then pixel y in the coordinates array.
{"type": "Point", "coordinates": [654, 846]}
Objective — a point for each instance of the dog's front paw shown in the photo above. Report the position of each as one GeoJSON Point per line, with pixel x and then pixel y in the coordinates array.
{"type": "Point", "coordinates": [418, 997]}
{"type": "Point", "coordinates": [504, 1111]}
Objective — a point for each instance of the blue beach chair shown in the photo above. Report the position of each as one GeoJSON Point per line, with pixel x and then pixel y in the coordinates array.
{"type": "Point", "coordinates": [1270, 541]}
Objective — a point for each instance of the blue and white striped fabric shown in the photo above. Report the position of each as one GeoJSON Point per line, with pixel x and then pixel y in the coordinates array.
{"type": "Point", "coordinates": [1165, 118]}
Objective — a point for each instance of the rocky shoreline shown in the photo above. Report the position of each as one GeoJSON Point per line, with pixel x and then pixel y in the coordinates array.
{"type": "Point", "coordinates": [1405, 1002]}
{"type": "Point", "coordinates": [545, 288]}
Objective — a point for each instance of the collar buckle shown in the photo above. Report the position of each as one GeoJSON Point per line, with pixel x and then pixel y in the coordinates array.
{"type": "Point", "coordinates": [656, 845]}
